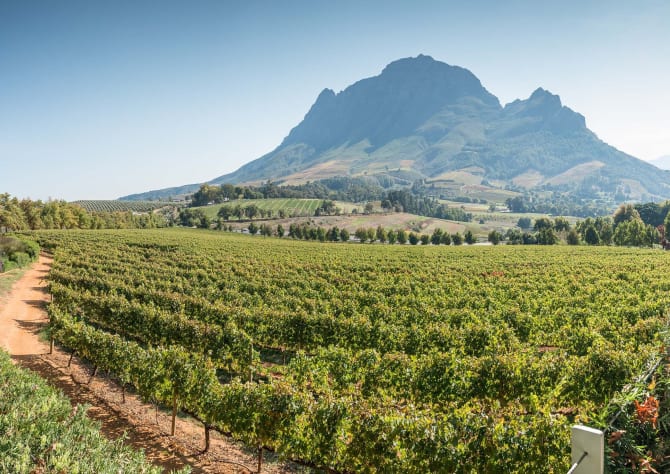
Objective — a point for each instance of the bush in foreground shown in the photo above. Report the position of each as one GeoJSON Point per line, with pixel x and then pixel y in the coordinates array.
{"type": "Point", "coordinates": [41, 432]}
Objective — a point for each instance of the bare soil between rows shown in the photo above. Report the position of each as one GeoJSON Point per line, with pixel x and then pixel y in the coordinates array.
{"type": "Point", "coordinates": [23, 317]}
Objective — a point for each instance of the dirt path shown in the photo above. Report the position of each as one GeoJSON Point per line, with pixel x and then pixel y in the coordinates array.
{"type": "Point", "coordinates": [22, 312]}
{"type": "Point", "coordinates": [22, 317]}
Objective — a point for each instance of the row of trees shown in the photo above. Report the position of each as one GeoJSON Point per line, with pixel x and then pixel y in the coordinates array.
{"type": "Point", "coordinates": [337, 188]}
{"type": "Point", "coordinates": [625, 228]}
{"type": "Point", "coordinates": [26, 214]}
{"type": "Point", "coordinates": [406, 201]}
{"type": "Point", "coordinates": [307, 231]}
{"type": "Point", "coordinates": [347, 189]}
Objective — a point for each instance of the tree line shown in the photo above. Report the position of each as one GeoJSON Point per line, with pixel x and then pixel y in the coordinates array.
{"type": "Point", "coordinates": [26, 214]}
{"type": "Point", "coordinates": [337, 188]}
{"type": "Point", "coordinates": [624, 228]}
{"type": "Point", "coordinates": [404, 200]}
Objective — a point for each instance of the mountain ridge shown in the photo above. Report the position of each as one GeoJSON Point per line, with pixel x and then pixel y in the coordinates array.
{"type": "Point", "coordinates": [428, 119]}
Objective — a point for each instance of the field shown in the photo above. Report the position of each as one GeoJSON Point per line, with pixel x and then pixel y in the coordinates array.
{"type": "Point", "coordinates": [366, 358]}
{"type": "Point", "coordinates": [292, 207]}
{"type": "Point", "coordinates": [120, 206]}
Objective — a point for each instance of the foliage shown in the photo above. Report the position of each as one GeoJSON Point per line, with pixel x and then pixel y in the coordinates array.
{"type": "Point", "coordinates": [399, 358]}
{"type": "Point", "coordinates": [18, 215]}
{"type": "Point", "coordinates": [17, 252]}
{"type": "Point", "coordinates": [495, 237]}
{"type": "Point", "coordinates": [42, 432]}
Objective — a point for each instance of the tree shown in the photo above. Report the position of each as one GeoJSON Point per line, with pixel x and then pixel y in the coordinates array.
{"type": "Point", "coordinates": [524, 222]}
{"type": "Point", "coordinates": [605, 229]}
{"type": "Point", "coordinates": [528, 239]}
{"type": "Point", "coordinates": [327, 208]}
{"type": "Point", "coordinates": [402, 236]}
{"type": "Point", "coordinates": [392, 236]}
{"type": "Point", "coordinates": [368, 208]}
{"type": "Point", "coordinates": [344, 235]}
{"type": "Point", "coordinates": [547, 236]}
{"type": "Point", "coordinates": [381, 234]}
{"type": "Point", "coordinates": [561, 224]}
{"type": "Point", "coordinates": [445, 239]}
{"type": "Point", "coordinates": [436, 236]}
{"type": "Point", "coordinates": [372, 234]}
{"type": "Point", "coordinates": [542, 223]}
{"type": "Point", "coordinates": [469, 237]}
{"type": "Point", "coordinates": [572, 238]}
{"type": "Point", "coordinates": [457, 239]}
{"type": "Point", "coordinates": [413, 238]}
{"type": "Point", "coordinates": [193, 218]}
{"type": "Point", "coordinates": [625, 213]}
{"type": "Point", "coordinates": [280, 230]}
{"type": "Point", "coordinates": [225, 213]}
{"type": "Point", "coordinates": [516, 204]}
{"type": "Point", "coordinates": [425, 239]}
{"type": "Point", "coordinates": [251, 211]}
{"type": "Point", "coordinates": [238, 211]}
{"type": "Point", "coordinates": [495, 237]}
{"type": "Point", "coordinates": [253, 228]}
{"type": "Point", "coordinates": [591, 236]}
{"type": "Point", "coordinates": [514, 236]}
{"type": "Point", "coordinates": [333, 234]}
{"type": "Point", "coordinates": [361, 234]}
{"type": "Point", "coordinates": [634, 233]}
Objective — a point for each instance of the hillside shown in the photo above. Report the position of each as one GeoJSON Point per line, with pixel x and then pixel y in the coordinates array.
{"type": "Point", "coordinates": [424, 119]}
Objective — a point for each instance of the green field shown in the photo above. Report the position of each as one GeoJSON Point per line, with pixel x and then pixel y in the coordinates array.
{"type": "Point", "coordinates": [367, 358]}
{"type": "Point", "coordinates": [120, 206]}
{"type": "Point", "coordinates": [292, 207]}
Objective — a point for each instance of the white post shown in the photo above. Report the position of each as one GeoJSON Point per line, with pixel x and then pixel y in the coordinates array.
{"type": "Point", "coordinates": [588, 451]}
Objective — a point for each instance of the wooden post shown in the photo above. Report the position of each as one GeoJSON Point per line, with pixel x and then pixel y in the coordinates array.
{"type": "Point", "coordinates": [251, 363]}
{"type": "Point", "coordinates": [51, 345]}
{"type": "Point", "coordinates": [207, 427]}
{"type": "Point", "coordinates": [71, 356]}
{"type": "Point", "coordinates": [123, 393]}
{"type": "Point", "coordinates": [95, 371]}
{"type": "Point", "coordinates": [174, 411]}
{"type": "Point", "coordinates": [260, 459]}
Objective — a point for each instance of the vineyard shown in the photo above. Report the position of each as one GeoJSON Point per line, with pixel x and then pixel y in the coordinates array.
{"type": "Point", "coordinates": [289, 207]}
{"type": "Point", "coordinates": [120, 206]}
{"type": "Point", "coordinates": [365, 358]}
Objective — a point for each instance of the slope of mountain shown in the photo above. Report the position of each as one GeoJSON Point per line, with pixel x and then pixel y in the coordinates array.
{"type": "Point", "coordinates": [428, 120]}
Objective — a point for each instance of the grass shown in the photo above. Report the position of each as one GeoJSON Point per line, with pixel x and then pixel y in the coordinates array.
{"type": "Point", "coordinates": [8, 279]}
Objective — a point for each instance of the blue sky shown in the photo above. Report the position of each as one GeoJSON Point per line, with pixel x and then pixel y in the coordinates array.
{"type": "Point", "coordinates": [99, 99]}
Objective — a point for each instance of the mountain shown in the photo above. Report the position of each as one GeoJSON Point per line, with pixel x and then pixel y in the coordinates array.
{"type": "Point", "coordinates": [662, 162]}
{"type": "Point", "coordinates": [424, 119]}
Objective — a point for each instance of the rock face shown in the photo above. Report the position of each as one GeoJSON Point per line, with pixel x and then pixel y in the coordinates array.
{"type": "Point", "coordinates": [392, 105]}
{"type": "Point", "coordinates": [424, 119]}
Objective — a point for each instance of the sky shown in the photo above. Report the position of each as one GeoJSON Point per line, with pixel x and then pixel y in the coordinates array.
{"type": "Point", "coordinates": [100, 99]}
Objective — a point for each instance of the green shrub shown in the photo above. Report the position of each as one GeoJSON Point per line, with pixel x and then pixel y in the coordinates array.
{"type": "Point", "coordinates": [17, 252]}
{"type": "Point", "coordinates": [41, 432]}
